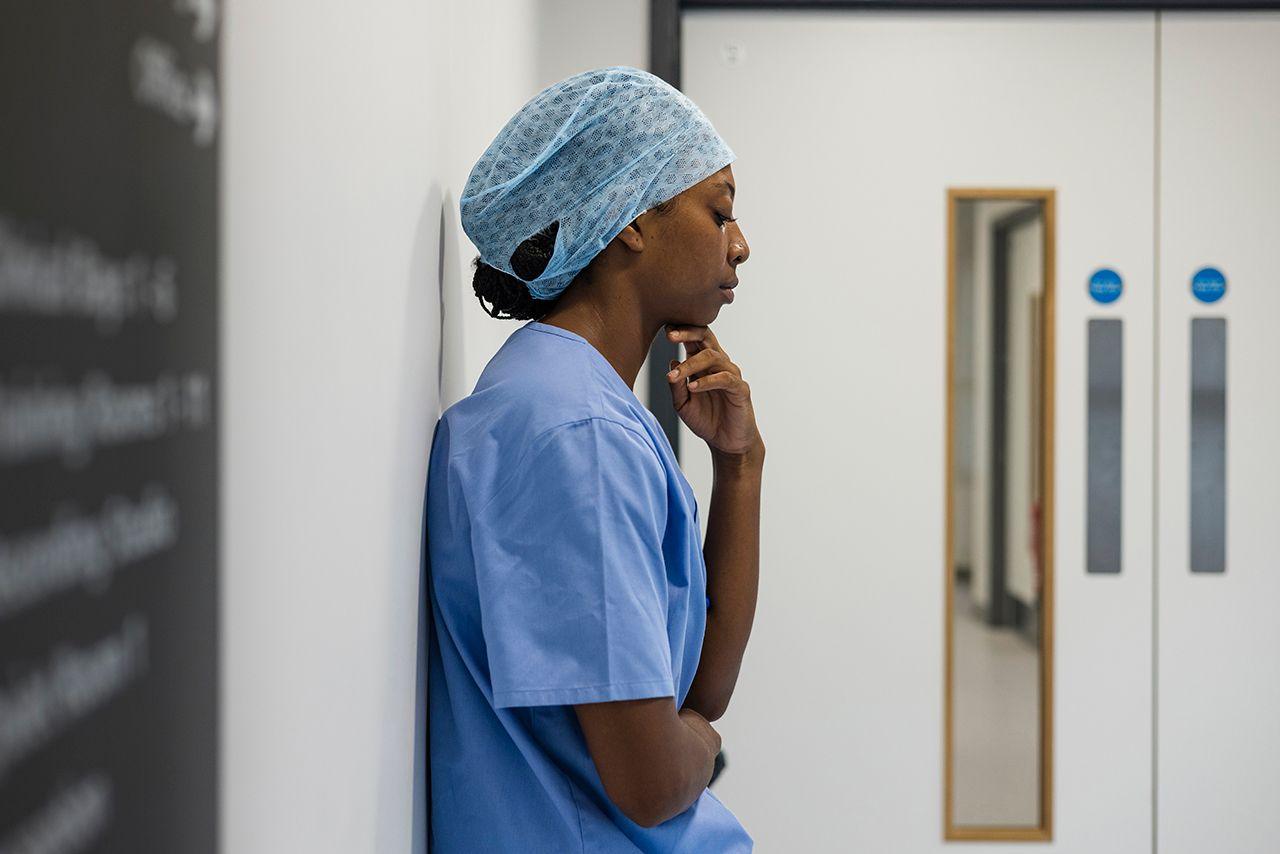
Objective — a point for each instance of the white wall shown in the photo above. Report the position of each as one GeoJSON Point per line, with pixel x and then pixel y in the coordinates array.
{"type": "Point", "coordinates": [348, 324]}
{"type": "Point", "coordinates": [344, 142]}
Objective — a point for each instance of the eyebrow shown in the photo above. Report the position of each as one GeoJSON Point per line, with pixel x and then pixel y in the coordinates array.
{"type": "Point", "coordinates": [730, 186]}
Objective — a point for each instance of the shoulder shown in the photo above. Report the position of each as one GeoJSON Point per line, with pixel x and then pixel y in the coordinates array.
{"type": "Point", "coordinates": [544, 419]}
{"type": "Point", "coordinates": [538, 381]}
{"type": "Point", "coordinates": [597, 438]}
{"type": "Point", "coordinates": [586, 464]}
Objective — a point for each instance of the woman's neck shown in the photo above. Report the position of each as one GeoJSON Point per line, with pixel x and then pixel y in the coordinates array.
{"type": "Point", "coordinates": [617, 328]}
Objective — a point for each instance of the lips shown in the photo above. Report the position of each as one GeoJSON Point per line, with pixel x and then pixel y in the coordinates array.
{"type": "Point", "coordinates": [732, 284]}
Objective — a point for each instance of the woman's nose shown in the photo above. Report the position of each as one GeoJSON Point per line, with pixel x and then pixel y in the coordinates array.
{"type": "Point", "coordinates": [739, 251]}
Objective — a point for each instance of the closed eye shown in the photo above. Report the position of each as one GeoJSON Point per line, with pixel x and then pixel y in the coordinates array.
{"type": "Point", "coordinates": [723, 219]}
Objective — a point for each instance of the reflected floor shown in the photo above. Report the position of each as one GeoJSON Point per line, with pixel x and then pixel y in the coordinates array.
{"type": "Point", "coordinates": [997, 722]}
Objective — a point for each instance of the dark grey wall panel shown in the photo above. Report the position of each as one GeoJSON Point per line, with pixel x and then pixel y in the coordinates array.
{"type": "Point", "coordinates": [1208, 476]}
{"type": "Point", "coordinates": [108, 442]}
{"type": "Point", "coordinates": [1105, 455]}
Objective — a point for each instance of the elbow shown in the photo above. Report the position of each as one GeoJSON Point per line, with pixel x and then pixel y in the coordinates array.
{"type": "Point", "coordinates": [649, 803]}
{"type": "Point", "coordinates": [646, 819]}
{"type": "Point", "coordinates": [644, 811]}
{"type": "Point", "coordinates": [654, 814]}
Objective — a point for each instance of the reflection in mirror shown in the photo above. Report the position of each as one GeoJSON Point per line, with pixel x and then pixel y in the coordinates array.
{"type": "Point", "coordinates": [997, 719]}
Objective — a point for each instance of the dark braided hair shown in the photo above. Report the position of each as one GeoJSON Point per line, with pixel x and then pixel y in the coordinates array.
{"type": "Point", "coordinates": [506, 293]}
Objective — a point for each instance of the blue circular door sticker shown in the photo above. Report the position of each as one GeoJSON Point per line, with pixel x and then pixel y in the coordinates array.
{"type": "Point", "coordinates": [1105, 285]}
{"type": "Point", "coordinates": [1208, 284]}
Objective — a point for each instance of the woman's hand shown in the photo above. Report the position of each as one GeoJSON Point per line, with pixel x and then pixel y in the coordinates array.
{"type": "Point", "coordinates": [709, 393]}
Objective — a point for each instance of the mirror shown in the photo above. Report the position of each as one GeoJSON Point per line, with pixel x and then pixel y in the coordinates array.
{"type": "Point", "coordinates": [999, 517]}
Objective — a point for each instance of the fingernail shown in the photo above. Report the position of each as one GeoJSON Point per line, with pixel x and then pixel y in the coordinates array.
{"type": "Point", "coordinates": [672, 374]}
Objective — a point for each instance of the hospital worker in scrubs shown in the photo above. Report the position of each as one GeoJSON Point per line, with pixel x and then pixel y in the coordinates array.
{"type": "Point", "coordinates": [582, 638]}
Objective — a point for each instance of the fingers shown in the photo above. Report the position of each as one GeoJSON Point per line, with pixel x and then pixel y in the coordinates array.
{"type": "Point", "coordinates": [694, 338]}
{"type": "Point", "coordinates": [704, 360]}
{"type": "Point", "coordinates": [724, 379]}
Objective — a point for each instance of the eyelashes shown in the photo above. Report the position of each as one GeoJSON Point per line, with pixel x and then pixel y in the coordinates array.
{"type": "Point", "coordinates": [723, 219]}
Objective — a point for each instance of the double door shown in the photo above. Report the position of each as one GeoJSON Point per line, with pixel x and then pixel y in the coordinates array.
{"type": "Point", "coordinates": [1159, 136]}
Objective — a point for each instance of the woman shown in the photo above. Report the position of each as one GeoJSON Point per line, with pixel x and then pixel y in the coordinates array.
{"type": "Point", "coordinates": [583, 639]}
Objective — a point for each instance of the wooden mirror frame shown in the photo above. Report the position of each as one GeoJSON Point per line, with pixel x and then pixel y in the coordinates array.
{"type": "Point", "coordinates": [1044, 831]}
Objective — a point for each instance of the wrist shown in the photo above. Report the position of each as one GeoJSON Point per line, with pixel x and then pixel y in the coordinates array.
{"type": "Point", "coordinates": [748, 461]}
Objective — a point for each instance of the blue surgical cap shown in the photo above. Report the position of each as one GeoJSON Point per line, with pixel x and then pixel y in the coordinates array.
{"type": "Point", "coordinates": [592, 153]}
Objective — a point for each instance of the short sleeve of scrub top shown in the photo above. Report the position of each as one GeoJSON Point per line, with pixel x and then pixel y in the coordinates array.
{"type": "Point", "coordinates": [570, 571]}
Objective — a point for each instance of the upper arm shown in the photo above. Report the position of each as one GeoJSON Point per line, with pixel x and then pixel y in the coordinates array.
{"type": "Point", "coordinates": [570, 572]}
{"type": "Point", "coordinates": [632, 744]}
{"type": "Point", "coordinates": [573, 593]}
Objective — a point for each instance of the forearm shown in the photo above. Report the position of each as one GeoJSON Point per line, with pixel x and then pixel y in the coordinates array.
{"type": "Point", "coordinates": [732, 555]}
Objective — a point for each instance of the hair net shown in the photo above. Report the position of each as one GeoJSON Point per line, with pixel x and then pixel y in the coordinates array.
{"type": "Point", "coordinates": [592, 152]}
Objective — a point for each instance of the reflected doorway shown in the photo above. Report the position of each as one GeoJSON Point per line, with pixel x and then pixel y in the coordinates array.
{"type": "Point", "coordinates": [999, 471]}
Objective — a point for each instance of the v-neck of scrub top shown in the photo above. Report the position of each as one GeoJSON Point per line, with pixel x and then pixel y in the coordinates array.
{"type": "Point", "coordinates": [620, 385]}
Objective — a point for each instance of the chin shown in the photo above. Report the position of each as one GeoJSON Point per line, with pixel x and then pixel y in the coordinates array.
{"type": "Point", "coordinates": [695, 316]}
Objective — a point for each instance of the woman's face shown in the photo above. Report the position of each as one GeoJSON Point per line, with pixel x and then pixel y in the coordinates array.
{"type": "Point", "coordinates": [698, 249]}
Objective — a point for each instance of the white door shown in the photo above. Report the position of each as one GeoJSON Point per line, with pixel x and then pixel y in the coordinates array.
{"type": "Point", "coordinates": [1218, 687]}
{"type": "Point", "coordinates": [849, 129]}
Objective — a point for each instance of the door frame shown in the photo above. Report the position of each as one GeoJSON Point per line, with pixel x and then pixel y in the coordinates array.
{"type": "Point", "coordinates": [1002, 610]}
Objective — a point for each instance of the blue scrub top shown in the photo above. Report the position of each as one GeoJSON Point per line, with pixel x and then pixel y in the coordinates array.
{"type": "Point", "coordinates": [565, 566]}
